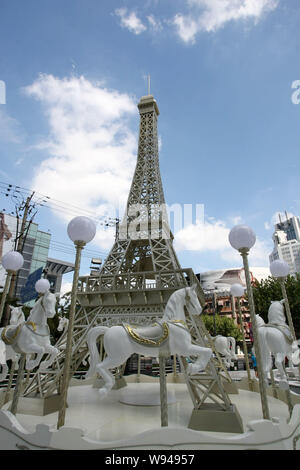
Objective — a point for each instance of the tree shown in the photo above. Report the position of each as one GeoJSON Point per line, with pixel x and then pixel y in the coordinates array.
{"type": "Point", "coordinates": [269, 289]}
{"type": "Point", "coordinates": [224, 326]}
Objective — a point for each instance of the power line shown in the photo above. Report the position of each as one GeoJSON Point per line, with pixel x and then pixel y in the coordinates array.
{"type": "Point", "coordinates": [42, 200]}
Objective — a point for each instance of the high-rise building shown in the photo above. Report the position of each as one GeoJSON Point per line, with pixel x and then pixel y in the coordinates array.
{"type": "Point", "coordinates": [35, 249]}
{"type": "Point", "coordinates": [36, 260]}
{"type": "Point", "coordinates": [286, 240]}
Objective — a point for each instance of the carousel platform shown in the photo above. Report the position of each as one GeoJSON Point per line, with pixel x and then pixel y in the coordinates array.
{"type": "Point", "coordinates": [128, 420]}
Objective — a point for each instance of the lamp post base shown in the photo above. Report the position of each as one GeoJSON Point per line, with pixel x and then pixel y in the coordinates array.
{"type": "Point", "coordinates": [211, 417]}
{"type": "Point", "coordinates": [39, 406]}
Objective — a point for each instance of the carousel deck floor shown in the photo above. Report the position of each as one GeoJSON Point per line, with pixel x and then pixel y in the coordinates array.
{"type": "Point", "coordinates": [110, 420]}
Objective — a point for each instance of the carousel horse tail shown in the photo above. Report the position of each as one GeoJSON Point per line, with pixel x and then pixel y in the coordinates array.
{"type": "Point", "coordinates": [92, 344]}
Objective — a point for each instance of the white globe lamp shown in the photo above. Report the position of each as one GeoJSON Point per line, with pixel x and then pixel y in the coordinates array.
{"type": "Point", "coordinates": [12, 261]}
{"type": "Point", "coordinates": [42, 286]}
{"type": "Point", "coordinates": [81, 229]}
{"type": "Point", "coordinates": [279, 268]}
{"type": "Point", "coordinates": [242, 237]}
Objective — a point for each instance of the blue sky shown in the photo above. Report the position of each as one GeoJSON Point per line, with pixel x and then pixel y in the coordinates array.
{"type": "Point", "coordinates": [222, 74]}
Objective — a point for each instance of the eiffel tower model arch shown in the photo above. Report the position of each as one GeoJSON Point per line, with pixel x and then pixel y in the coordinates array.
{"type": "Point", "coordinates": [136, 280]}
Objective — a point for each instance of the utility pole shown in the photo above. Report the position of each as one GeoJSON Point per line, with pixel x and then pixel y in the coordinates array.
{"type": "Point", "coordinates": [19, 246]}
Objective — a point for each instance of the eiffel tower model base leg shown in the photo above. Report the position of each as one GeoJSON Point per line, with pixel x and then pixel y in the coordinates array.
{"type": "Point", "coordinates": [38, 406]}
{"type": "Point", "coordinates": [213, 411]}
{"type": "Point", "coordinates": [211, 417]}
{"type": "Point", "coordinates": [230, 388]}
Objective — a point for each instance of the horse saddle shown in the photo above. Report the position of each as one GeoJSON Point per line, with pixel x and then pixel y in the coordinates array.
{"type": "Point", "coordinates": [10, 334]}
{"type": "Point", "coordinates": [152, 335]}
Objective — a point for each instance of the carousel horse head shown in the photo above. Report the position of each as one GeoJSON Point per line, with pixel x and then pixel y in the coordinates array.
{"type": "Point", "coordinates": [16, 315]}
{"type": "Point", "coordinates": [45, 306]}
{"type": "Point", "coordinates": [276, 312]}
{"type": "Point", "coordinates": [191, 300]}
{"type": "Point", "coordinates": [63, 322]}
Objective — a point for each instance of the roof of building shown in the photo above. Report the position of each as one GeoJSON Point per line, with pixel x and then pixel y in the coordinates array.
{"type": "Point", "coordinates": [222, 279]}
{"type": "Point", "coordinates": [56, 266]}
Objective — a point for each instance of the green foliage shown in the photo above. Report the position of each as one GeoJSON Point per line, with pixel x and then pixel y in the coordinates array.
{"type": "Point", "coordinates": [224, 326]}
{"type": "Point", "coordinates": [269, 289]}
{"type": "Point", "coordinates": [64, 305]}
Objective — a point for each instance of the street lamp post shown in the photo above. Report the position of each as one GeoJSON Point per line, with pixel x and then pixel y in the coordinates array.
{"type": "Point", "coordinates": [12, 262]}
{"type": "Point", "coordinates": [81, 230]}
{"type": "Point", "coordinates": [242, 238]}
{"type": "Point", "coordinates": [237, 290]}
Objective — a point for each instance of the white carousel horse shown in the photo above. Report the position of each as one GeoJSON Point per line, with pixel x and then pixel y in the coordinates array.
{"type": "Point", "coordinates": [275, 338]}
{"type": "Point", "coordinates": [63, 324]}
{"type": "Point", "coordinates": [6, 351]}
{"type": "Point", "coordinates": [33, 336]}
{"type": "Point", "coordinates": [226, 347]}
{"type": "Point", "coordinates": [169, 336]}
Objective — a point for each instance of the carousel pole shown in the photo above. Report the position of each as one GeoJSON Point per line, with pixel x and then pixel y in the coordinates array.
{"type": "Point", "coordinates": [237, 290]}
{"type": "Point", "coordinates": [242, 238]}
{"type": "Point", "coordinates": [163, 391]}
{"type": "Point", "coordinates": [81, 230]}
{"type": "Point", "coordinates": [138, 378]}
{"type": "Point", "coordinates": [174, 366]}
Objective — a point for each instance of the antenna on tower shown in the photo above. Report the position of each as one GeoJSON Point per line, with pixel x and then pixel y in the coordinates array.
{"type": "Point", "coordinates": [148, 84]}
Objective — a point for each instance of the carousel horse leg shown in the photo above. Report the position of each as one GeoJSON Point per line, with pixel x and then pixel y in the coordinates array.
{"type": "Point", "coordinates": [204, 355]}
{"type": "Point", "coordinates": [109, 379]}
{"type": "Point", "coordinates": [34, 349]}
{"type": "Point", "coordinates": [279, 358]}
{"type": "Point", "coordinates": [53, 353]}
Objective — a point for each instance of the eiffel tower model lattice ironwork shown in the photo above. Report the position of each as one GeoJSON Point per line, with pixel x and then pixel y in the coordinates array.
{"type": "Point", "coordinates": [138, 276]}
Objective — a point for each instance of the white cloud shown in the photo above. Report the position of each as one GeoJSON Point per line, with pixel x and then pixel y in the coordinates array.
{"type": "Point", "coordinates": [91, 149]}
{"type": "Point", "coordinates": [10, 131]}
{"type": "Point", "coordinates": [202, 236]}
{"type": "Point", "coordinates": [154, 23]}
{"type": "Point", "coordinates": [130, 21]}
{"type": "Point", "coordinates": [65, 287]}
{"type": "Point", "coordinates": [211, 15]}
{"type": "Point", "coordinates": [212, 235]}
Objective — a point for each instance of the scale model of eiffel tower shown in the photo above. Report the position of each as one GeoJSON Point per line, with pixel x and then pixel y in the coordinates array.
{"type": "Point", "coordinates": [142, 261]}
{"type": "Point", "coordinates": [137, 278]}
